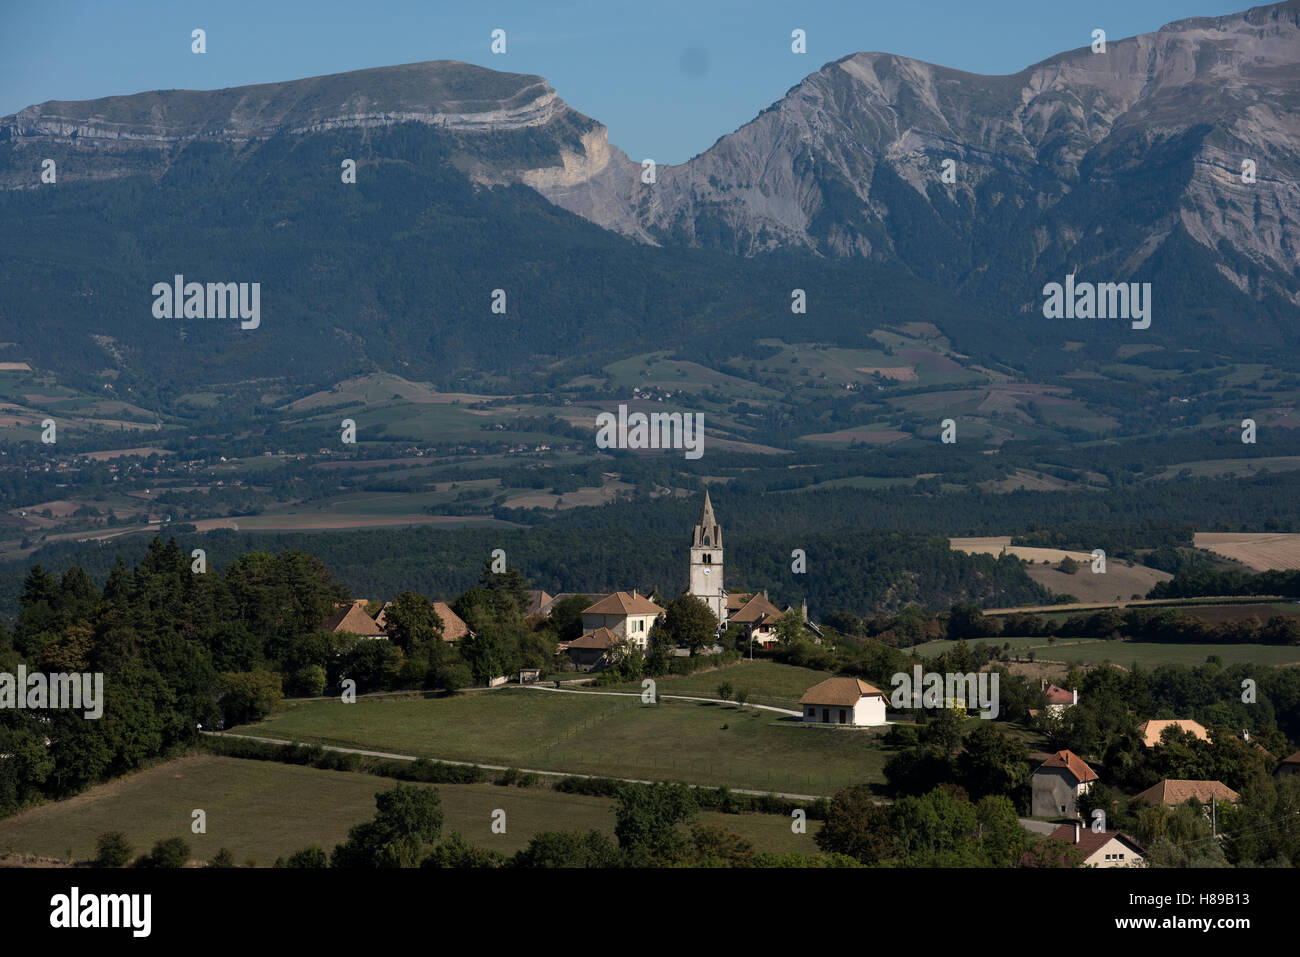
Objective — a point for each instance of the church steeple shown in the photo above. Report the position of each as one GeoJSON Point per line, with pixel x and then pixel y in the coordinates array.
{"type": "Point", "coordinates": [706, 561]}
{"type": "Point", "coordinates": [708, 534]}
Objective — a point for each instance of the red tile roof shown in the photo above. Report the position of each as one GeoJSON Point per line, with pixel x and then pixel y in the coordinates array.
{"type": "Point", "coordinates": [600, 639]}
{"type": "Point", "coordinates": [623, 603]}
{"type": "Point", "coordinates": [1057, 695]}
{"type": "Point", "coordinates": [1072, 763]}
{"type": "Point", "coordinates": [1090, 841]}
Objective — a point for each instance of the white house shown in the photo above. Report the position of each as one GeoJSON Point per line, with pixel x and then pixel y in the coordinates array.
{"type": "Point", "coordinates": [844, 701]}
{"type": "Point", "coordinates": [1101, 848]}
{"type": "Point", "coordinates": [627, 615]}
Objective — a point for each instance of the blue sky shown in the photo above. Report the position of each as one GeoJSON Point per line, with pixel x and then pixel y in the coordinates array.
{"type": "Point", "coordinates": [667, 77]}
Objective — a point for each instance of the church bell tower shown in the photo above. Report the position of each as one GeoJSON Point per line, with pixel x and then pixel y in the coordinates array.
{"type": "Point", "coordinates": [706, 562]}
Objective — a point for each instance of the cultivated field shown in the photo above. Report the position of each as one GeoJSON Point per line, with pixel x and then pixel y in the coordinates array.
{"type": "Point", "coordinates": [609, 735]}
{"type": "Point", "coordinates": [262, 810]}
{"type": "Point", "coordinates": [1147, 654]}
{"type": "Point", "coordinates": [1258, 550]}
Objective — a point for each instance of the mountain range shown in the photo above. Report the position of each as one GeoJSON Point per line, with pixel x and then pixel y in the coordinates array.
{"type": "Point", "coordinates": [1119, 166]}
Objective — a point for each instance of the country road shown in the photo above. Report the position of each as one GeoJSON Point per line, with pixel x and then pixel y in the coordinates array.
{"type": "Point", "coordinates": [500, 767]}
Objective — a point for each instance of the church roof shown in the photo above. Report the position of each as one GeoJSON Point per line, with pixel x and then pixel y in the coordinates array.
{"type": "Point", "coordinates": [708, 534]}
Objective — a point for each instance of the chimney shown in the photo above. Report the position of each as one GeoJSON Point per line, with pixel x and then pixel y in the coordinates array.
{"type": "Point", "coordinates": [1042, 684]}
{"type": "Point", "coordinates": [634, 594]}
{"type": "Point", "coordinates": [1078, 827]}
{"type": "Point", "coordinates": [1076, 695]}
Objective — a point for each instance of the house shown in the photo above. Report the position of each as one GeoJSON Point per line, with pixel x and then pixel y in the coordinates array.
{"type": "Point", "coordinates": [353, 620]}
{"type": "Point", "coordinates": [453, 626]}
{"type": "Point", "coordinates": [1174, 792]}
{"type": "Point", "coordinates": [844, 701]}
{"type": "Point", "coordinates": [1058, 699]}
{"type": "Point", "coordinates": [757, 620]}
{"type": "Point", "coordinates": [591, 651]}
{"type": "Point", "coordinates": [1151, 730]}
{"type": "Point", "coordinates": [1058, 783]}
{"type": "Point", "coordinates": [1101, 848]}
{"type": "Point", "coordinates": [625, 614]}
{"type": "Point", "coordinates": [1289, 766]}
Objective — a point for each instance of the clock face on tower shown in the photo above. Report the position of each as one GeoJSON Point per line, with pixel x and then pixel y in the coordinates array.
{"type": "Point", "coordinates": [706, 571]}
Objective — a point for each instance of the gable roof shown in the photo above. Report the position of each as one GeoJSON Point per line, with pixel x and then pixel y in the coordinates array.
{"type": "Point", "coordinates": [1090, 841]}
{"type": "Point", "coordinates": [1174, 791]}
{"type": "Point", "coordinates": [1071, 762]}
{"type": "Point", "coordinates": [623, 603]}
{"type": "Point", "coordinates": [756, 610]}
{"type": "Point", "coordinates": [737, 599]}
{"type": "Point", "coordinates": [1292, 759]}
{"type": "Point", "coordinates": [842, 692]}
{"type": "Point", "coordinates": [353, 620]}
{"type": "Point", "coordinates": [1151, 730]}
{"type": "Point", "coordinates": [453, 626]}
{"type": "Point", "coordinates": [1057, 695]}
{"type": "Point", "coordinates": [600, 639]}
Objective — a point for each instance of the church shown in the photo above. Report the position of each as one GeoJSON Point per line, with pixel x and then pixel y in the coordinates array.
{"type": "Point", "coordinates": [629, 616]}
{"type": "Point", "coordinates": [754, 616]}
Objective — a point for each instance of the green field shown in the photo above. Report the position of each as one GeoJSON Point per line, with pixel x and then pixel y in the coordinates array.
{"type": "Point", "coordinates": [262, 810]}
{"type": "Point", "coordinates": [1148, 654]}
{"type": "Point", "coordinates": [766, 681]}
{"type": "Point", "coordinates": [608, 735]}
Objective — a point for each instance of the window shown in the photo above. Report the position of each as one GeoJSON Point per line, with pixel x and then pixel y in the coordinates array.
{"type": "Point", "coordinates": [1119, 857]}
{"type": "Point", "coordinates": [708, 559]}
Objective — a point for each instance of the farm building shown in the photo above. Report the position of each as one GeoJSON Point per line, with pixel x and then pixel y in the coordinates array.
{"type": "Point", "coordinates": [844, 701]}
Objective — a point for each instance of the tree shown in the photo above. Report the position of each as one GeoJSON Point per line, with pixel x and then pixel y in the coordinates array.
{"type": "Point", "coordinates": [170, 853]}
{"type": "Point", "coordinates": [689, 622]}
{"type": "Point", "coordinates": [857, 826]}
{"type": "Point", "coordinates": [249, 696]}
{"type": "Point", "coordinates": [112, 849]}
{"type": "Point", "coordinates": [991, 763]}
{"type": "Point", "coordinates": [724, 691]}
{"type": "Point", "coordinates": [568, 849]}
{"type": "Point", "coordinates": [308, 857]}
{"type": "Point", "coordinates": [223, 858]}
{"type": "Point", "coordinates": [413, 622]}
{"type": "Point", "coordinates": [454, 852]}
{"type": "Point", "coordinates": [408, 818]}
{"type": "Point", "coordinates": [646, 819]}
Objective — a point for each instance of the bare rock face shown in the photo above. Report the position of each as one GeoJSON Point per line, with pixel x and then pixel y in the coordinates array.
{"type": "Point", "coordinates": [1140, 141]}
{"type": "Point", "coordinates": [450, 96]}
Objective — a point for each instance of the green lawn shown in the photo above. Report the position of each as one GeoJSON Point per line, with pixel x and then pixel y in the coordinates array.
{"type": "Point", "coordinates": [1148, 654]}
{"type": "Point", "coordinates": [262, 810]}
{"type": "Point", "coordinates": [766, 681]}
{"type": "Point", "coordinates": [595, 734]}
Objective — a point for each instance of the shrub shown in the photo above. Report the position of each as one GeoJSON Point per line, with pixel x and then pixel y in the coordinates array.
{"type": "Point", "coordinates": [223, 858]}
{"type": "Point", "coordinates": [172, 852]}
{"type": "Point", "coordinates": [112, 849]}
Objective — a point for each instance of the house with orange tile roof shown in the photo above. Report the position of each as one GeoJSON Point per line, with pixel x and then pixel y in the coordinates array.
{"type": "Point", "coordinates": [1174, 791]}
{"type": "Point", "coordinates": [844, 701]}
{"type": "Point", "coordinates": [1152, 730]}
{"type": "Point", "coordinates": [1101, 848]}
{"type": "Point", "coordinates": [1058, 783]}
{"type": "Point", "coordinates": [628, 615]}
{"type": "Point", "coordinates": [352, 619]}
